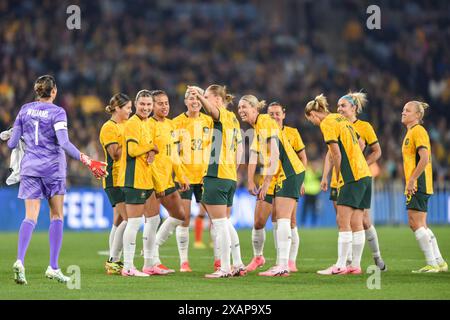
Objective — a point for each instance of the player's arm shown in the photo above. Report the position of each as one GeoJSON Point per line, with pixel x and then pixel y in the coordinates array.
{"type": "Point", "coordinates": [135, 146]}
{"type": "Point", "coordinates": [209, 108]}
{"type": "Point", "coordinates": [302, 156]}
{"type": "Point", "coordinates": [16, 133]}
{"type": "Point", "coordinates": [375, 153]}
{"type": "Point", "coordinates": [115, 151]}
{"type": "Point", "coordinates": [251, 170]}
{"type": "Point", "coordinates": [424, 158]}
{"type": "Point", "coordinates": [273, 166]}
{"type": "Point", "coordinates": [327, 167]}
{"type": "Point", "coordinates": [336, 156]}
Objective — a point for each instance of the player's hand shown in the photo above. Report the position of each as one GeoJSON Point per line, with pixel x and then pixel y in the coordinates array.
{"type": "Point", "coordinates": [251, 187]}
{"type": "Point", "coordinates": [5, 135]}
{"type": "Point", "coordinates": [160, 195]}
{"type": "Point", "coordinates": [324, 185]}
{"type": "Point", "coordinates": [411, 187]}
{"type": "Point", "coordinates": [192, 91]}
{"type": "Point", "coordinates": [98, 168]}
{"type": "Point", "coordinates": [263, 191]}
{"type": "Point", "coordinates": [184, 187]}
{"type": "Point", "coordinates": [151, 156]}
{"type": "Point", "coordinates": [302, 190]}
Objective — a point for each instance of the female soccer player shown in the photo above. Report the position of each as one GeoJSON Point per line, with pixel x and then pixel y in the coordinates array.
{"type": "Point", "coordinates": [350, 106]}
{"type": "Point", "coordinates": [43, 127]}
{"type": "Point", "coordinates": [355, 194]}
{"type": "Point", "coordinates": [193, 132]}
{"type": "Point", "coordinates": [137, 180]}
{"type": "Point", "coordinates": [111, 136]}
{"type": "Point", "coordinates": [281, 161]}
{"type": "Point", "coordinates": [416, 151]}
{"type": "Point", "coordinates": [166, 163]}
{"type": "Point", "coordinates": [263, 208]}
{"type": "Point", "coordinates": [219, 183]}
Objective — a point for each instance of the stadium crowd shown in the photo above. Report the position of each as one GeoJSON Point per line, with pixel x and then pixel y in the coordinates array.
{"type": "Point", "coordinates": [127, 46]}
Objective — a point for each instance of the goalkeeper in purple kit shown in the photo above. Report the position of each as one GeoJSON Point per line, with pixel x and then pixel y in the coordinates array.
{"type": "Point", "coordinates": [43, 127]}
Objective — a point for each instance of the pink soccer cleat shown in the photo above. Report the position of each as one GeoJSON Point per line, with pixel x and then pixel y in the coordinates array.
{"type": "Point", "coordinates": [133, 272]}
{"type": "Point", "coordinates": [155, 271]}
{"type": "Point", "coordinates": [185, 267]}
{"type": "Point", "coordinates": [163, 267]}
{"type": "Point", "coordinates": [218, 274]}
{"type": "Point", "coordinates": [292, 266]}
{"type": "Point", "coordinates": [257, 262]}
{"type": "Point", "coordinates": [354, 270]}
{"type": "Point", "coordinates": [276, 271]}
{"type": "Point", "coordinates": [333, 270]}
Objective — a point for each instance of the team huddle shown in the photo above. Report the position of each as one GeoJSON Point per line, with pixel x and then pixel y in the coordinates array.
{"type": "Point", "coordinates": [151, 160]}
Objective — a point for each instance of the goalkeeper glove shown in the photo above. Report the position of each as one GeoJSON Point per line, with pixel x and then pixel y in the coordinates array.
{"type": "Point", "coordinates": [98, 168]}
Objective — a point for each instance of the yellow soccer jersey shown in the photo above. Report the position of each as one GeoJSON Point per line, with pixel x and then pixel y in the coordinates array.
{"type": "Point", "coordinates": [193, 136]}
{"type": "Point", "coordinates": [225, 139]}
{"type": "Point", "coordinates": [337, 129]}
{"type": "Point", "coordinates": [167, 161]}
{"type": "Point", "coordinates": [134, 170]}
{"type": "Point", "coordinates": [415, 139]}
{"type": "Point", "coordinates": [295, 140]}
{"type": "Point", "coordinates": [367, 134]}
{"type": "Point", "coordinates": [111, 133]}
{"type": "Point", "coordinates": [288, 164]}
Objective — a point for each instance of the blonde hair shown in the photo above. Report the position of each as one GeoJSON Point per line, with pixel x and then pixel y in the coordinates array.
{"type": "Point", "coordinates": [221, 91]}
{"type": "Point", "coordinates": [319, 104]}
{"type": "Point", "coordinates": [200, 90]}
{"type": "Point", "coordinates": [119, 100]}
{"type": "Point", "coordinates": [357, 99]}
{"type": "Point", "coordinates": [254, 102]}
{"type": "Point", "coordinates": [143, 93]}
{"type": "Point", "coordinates": [420, 107]}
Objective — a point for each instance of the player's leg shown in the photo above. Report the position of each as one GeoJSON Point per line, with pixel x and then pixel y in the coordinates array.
{"type": "Point", "coordinates": [358, 240]}
{"type": "Point", "coordinates": [135, 200]}
{"type": "Point", "coordinates": [443, 266]}
{"type": "Point", "coordinates": [295, 243]}
{"type": "Point", "coordinates": [417, 223]}
{"type": "Point", "coordinates": [117, 220]}
{"type": "Point", "coordinates": [182, 235]}
{"type": "Point", "coordinates": [152, 221]}
{"type": "Point", "coordinates": [283, 207]}
{"type": "Point", "coordinates": [32, 207]}
{"type": "Point", "coordinates": [117, 244]}
{"type": "Point", "coordinates": [55, 234]}
{"type": "Point", "coordinates": [172, 203]}
{"type": "Point", "coordinates": [262, 213]}
{"type": "Point", "coordinates": [372, 240]}
{"type": "Point", "coordinates": [199, 219]}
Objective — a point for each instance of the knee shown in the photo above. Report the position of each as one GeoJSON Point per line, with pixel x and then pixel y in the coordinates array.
{"type": "Point", "coordinates": [259, 224]}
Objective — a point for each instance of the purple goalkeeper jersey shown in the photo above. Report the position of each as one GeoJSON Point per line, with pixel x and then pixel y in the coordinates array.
{"type": "Point", "coordinates": [44, 157]}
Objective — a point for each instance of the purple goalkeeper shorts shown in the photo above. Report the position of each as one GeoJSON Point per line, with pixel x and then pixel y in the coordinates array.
{"type": "Point", "coordinates": [41, 188]}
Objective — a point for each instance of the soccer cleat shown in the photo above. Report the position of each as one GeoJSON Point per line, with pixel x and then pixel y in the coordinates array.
{"type": "Point", "coordinates": [276, 271]}
{"type": "Point", "coordinates": [333, 270]}
{"type": "Point", "coordinates": [133, 272]}
{"type": "Point", "coordinates": [218, 274]}
{"type": "Point", "coordinates": [292, 266]}
{"type": "Point", "coordinates": [427, 269]}
{"type": "Point", "coordinates": [57, 275]}
{"type": "Point", "coordinates": [217, 265]}
{"type": "Point", "coordinates": [113, 267]}
{"type": "Point", "coordinates": [443, 267]}
{"type": "Point", "coordinates": [155, 271]}
{"type": "Point", "coordinates": [239, 271]}
{"type": "Point", "coordinates": [199, 245]}
{"type": "Point", "coordinates": [354, 270]}
{"type": "Point", "coordinates": [257, 262]}
{"type": "Point", "coordinates": [19, 273]}
{"type": "Point", "coordinates": [380, 264]}
{"type": "Point", "coordinates": [163, 267]}
{"type": "Point", "coordinates": [185, 267]}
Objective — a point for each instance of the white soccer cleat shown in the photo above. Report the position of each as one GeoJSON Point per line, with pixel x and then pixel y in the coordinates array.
{"type": "Point", "coordinates": [57, 275]}
{"type": "Point", "coordinates": [19, 273]}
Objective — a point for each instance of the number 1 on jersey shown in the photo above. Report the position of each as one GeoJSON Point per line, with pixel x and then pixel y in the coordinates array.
{"type": "Point", "coordinates": [36, 132]}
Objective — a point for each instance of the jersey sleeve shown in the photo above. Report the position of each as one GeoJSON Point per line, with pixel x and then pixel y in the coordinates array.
{"type": "Point", "coordinates": [109, 135]}
{"type": "Point", "coordinates": [298, 144]}
{"type": "Point", "coordinates": [371, 137]}
{"type": "Point", "coordinates": [421, 138]}
{"type": "Point", "coordinates": [136, 147]}
{"type": "Point", "coordinates": [60, 120]}
{"type": "Point", "coordinates": [328, 131]}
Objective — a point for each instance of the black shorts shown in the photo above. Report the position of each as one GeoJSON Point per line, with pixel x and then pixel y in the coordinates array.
{"type": "Point", "coordinates": [136, 196]}
{"type": "Point", "coordinates": [356, 194]}
{"type": "Point", "coordinates": [418, 202]}
{"type": "Point", "coordinates": [290, 187]}
{"type": "Point", "coordinates": [115, 195]}
{"type": "Point", "coordinates": [334, 194]}
{"type": "Point", "coordinates": [196, 190]}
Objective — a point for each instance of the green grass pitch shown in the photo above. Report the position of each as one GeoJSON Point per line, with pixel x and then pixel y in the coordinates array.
{"type": "Point", "coordinates": [317, 250]}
